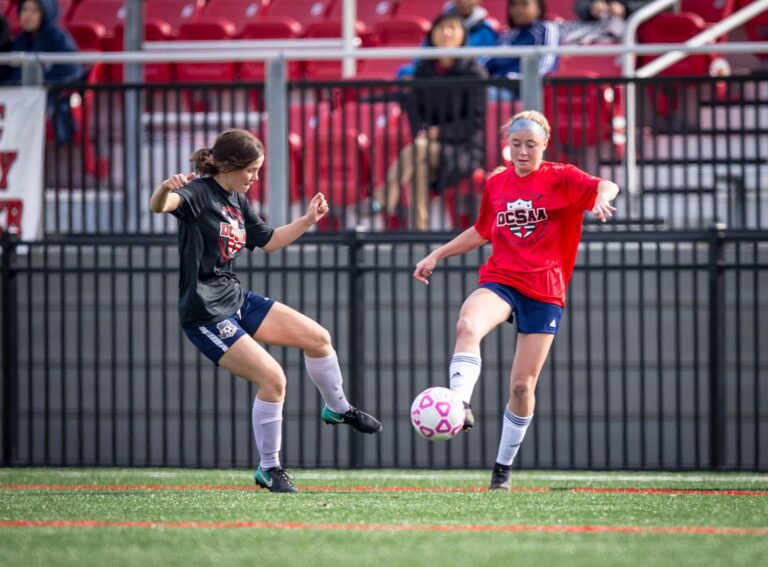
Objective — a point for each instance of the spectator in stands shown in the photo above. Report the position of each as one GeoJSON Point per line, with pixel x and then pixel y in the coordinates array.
{"type": "Point", "coordinates": [601, 21]}
{"type": "Point", "coordinates": [448, 142]}
{"type": "Point", "coordinates": [40, 32]}
{"type": "Point", "coordinates": [6, 45]}
{"type": "Point", "coordinates": [526, 27]}
{"type": "Point", "coordinates": [480, 29]}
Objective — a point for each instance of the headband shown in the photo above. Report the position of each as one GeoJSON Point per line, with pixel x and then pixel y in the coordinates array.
{"type": "Point", "coordinates": [528, 125]}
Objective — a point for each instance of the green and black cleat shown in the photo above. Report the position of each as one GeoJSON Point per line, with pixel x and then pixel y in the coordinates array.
{"type": "Point", "coordinates": [275, 479]}
{"type": "Point", "coordinates": [358, 419]}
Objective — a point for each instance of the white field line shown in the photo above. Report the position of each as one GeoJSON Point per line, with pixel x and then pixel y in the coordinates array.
{"type": "Point", "coordinates": [413, 475]}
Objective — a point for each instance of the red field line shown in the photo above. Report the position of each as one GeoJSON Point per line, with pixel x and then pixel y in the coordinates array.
{"type": "Point", "coordinates": [703, 530]}
{"type": "Point", "coordinates": [700, 491]}
{"type": "Point", "coordinates": [152, 487]}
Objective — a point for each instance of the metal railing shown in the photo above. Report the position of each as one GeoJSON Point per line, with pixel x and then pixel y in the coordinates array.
{"type": "Point", "coordinates": [701, 149]}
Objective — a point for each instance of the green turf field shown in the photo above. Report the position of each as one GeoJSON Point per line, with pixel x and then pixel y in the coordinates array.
{"type": "Point", "coordinates": [182, 517]}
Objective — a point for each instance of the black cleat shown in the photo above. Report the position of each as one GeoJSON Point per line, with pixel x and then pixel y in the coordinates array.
{"type": "Point", "coordinates": [500, 477]}
{"type": "Point", "coordinates": [469, 418]}
{"type": "Point", "coordinates": [275, 479]}
{"type": "Point", "coordinates": [358, 419]}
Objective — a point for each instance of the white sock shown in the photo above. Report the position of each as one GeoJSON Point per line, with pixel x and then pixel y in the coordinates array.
{"type": "Point", "coordinates": [464, 372]}
{"type": "Point", "coordinates": [326, 375]}
{"type": "Point", "coordinates": [512, 434]}
{"type": "Point", "coordinates": [267, 418]}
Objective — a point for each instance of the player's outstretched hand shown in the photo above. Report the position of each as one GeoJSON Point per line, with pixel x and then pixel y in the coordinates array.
{"type": "Point", "coordinates": [603, 208]}
{"type": "Point", "coordinates": [424, 270]}
{"type": "Point", "coordinates": [318, 207]}
{"type": "Point", "coordinates": [179, 180]}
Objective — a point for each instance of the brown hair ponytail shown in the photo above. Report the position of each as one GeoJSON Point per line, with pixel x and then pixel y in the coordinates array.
{"type": "Point", "coordinates": [233, 149]}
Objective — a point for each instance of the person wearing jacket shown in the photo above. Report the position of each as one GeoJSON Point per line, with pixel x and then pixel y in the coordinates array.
{"type": "Point", "coordinates": [40, 32]}
{"type": "Point", "coordinates": [479, 28]}
{"type": "Point", "coordinates": [447, 122]}
{"type": "Point", "coordinates": [526, 27]}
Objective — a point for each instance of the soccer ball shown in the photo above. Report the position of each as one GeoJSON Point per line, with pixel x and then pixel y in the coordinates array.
{"type": "Point", "coordinates": [437, 414]}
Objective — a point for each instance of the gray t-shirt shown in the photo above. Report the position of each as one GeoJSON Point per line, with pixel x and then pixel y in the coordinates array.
{"type": "Point", "coordinates": [214, 226]}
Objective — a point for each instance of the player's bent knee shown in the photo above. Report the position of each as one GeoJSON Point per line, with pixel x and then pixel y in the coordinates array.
{"type": "Point", "coordinates": [522, 390]}
{"type": "Point", "coordinates": [274, 384]}
{"type": "Point", "coordinates": [466, 329]}
{"type": "Point", "coordinates": [318, 342]}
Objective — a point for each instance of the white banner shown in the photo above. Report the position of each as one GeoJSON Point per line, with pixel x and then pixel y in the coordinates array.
{"type": "Point", "coordinates": [22, 144]}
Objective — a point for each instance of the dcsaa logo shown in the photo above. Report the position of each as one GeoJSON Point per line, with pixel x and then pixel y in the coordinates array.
{"type": "Point", "coordinates": [521, 217]}
{"type": "Point", "coordinates": [226, 329]}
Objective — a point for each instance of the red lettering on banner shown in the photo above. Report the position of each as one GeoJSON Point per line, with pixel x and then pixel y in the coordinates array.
{"type": "Point", "coordinates": [10, 215]}
{"type": "Point", "coordinates": [6, 161]}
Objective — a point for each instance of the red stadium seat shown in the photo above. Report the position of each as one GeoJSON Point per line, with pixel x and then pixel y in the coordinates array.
{"type": "Point", "coordinates": [336, 164]}
{"type": "Point", "coordinates": [331, 29]}
{"type": "Point", "coordinates": [281, 28]}
{"type": "Point", "coordinates": [580, 113]}
{"type": "Point", "coordinates": [676, 28]}
{"type": "Point", "coordinates": [603, 65]}
{"type": "Point", "coordinates": [325, 70]}
{"type": "Point", "coordinates": [277, 28]}
{"type": "Point", "coordinates": [65, 7]}
{"type": "Point", "coordinates": [383, 123]}
{"type": "Point", "coordinates": [368, 14]}
{"type": "Point", "coordinates": [108, 13]}
{"type": "Point", "coordinates": [206, 72]}
{"type": "Point", "coordinates": [238, 12]}
{"type": "Point", "coordinates": [9, 9]}
{"type": "Point", "coordinates": [303, 11]}
{"type": "Point", "coordinates": [173, 12]}
{"type": "Point", "coordinates": [556, 9]}
{"type": "Point", "coordinates": [410, 24]}
{"type": "Point", "coordinates": [711, 11]}
{"type": "Point", "coordinates": [154, 30]}
{"type": "Point", "coordinates": [403, 31]}
{"type": "Point", "coordinates": [370, 11]}
{"type": "Point", "coordinates": [89, 36]}
{"type": "Point", "coordinates": [380, 69]}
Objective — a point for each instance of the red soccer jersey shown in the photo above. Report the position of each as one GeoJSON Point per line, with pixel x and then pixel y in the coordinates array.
{"type": "Point", "coordinates": [534, 226]}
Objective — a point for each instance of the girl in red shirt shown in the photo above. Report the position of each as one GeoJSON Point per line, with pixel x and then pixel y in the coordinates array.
{"type": "Point", "coordinates": [532, 216]}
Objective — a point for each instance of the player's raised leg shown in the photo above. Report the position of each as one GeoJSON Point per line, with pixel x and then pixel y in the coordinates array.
{"type": "Point", "coordinates": [481, 312]}
{"type": "Point", "coordinates": [249, 360]}
{"type": "Point", "coordinates": [530, 355]}
{"type": "Point", "coordinates": [284, 326]}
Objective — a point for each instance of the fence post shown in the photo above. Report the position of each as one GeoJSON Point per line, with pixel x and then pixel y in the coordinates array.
{"type": "Point", "coordinates": [716, 348]}
{"type": "Point", "coordinates": [276, 95]}
{"type": "Point", "coordinates": [356, 382]}
{"type": "Point", "coordinates": [531, 83]}
{"type": "Point", "coordinates": [10, 346]}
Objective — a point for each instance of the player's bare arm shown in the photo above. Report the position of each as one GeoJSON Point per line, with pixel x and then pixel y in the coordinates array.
{"type": "Point", "coordinates": [284, 235]}
{"type": "Point", "coordinates": [164, 199]}
{"type": "Point", "coordinates": [463, 243]}
{"type": "Point", "coordinates": [606, 192]}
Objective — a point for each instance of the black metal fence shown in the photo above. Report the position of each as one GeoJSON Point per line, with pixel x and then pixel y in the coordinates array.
{"type": "Point", "coordinates": [702, 148]}
{"type": "Point", "coordinates": [659, 363]}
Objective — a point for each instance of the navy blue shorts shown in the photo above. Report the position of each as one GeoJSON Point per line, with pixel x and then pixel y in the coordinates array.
{"type": "Point", "coordinates": [215, 339]}
{"type": "Point", "coordinates": [532, 316]}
